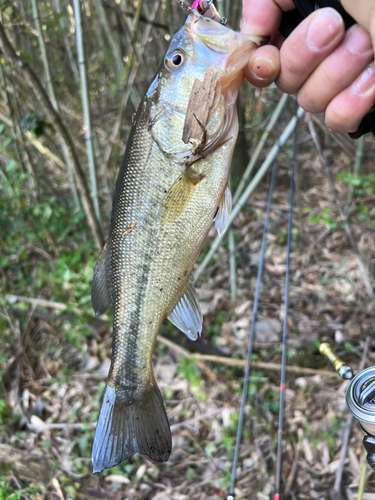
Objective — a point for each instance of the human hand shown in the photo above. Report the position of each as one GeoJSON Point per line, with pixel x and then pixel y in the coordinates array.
{"type": "Point", "coordinates": [327, 67]}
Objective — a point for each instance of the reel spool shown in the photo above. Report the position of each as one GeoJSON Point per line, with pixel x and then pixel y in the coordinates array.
{"type": "Point", "coordinates": [360, 398]}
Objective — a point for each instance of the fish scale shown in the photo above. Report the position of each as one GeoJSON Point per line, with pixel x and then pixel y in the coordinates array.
{"type": "Point", "coordinates": [167, 195]}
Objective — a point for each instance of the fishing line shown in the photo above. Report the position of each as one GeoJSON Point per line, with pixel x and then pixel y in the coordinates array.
{"type": "Point", "coordinates": [255, 312]}
{"type": "Point", "coordinates": [285, 322]}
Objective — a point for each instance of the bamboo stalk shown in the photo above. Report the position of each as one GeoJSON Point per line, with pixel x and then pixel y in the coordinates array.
{"type": "Point", "coordinates": [43, 51]}
{"type": "Point", "coordinates": [51, 93]}
{"type": "Point", "coordinates": [63, 26]}
{"type": "Point", "coordinates": [232, 265]}
{"type": "Point", "coordinates": [29, 76]}
{"type": "Point", "coordinates": [114, 142]}
{"type": "Point", "coordinates": [260, 146]}
{"type": "Point", "coordinates": [133, 41]}
{"type": "Point", "coordinates": [250, 189]}
{"type": "Point", "coordinates": [86, 107]}
{"type": "Point", "coordinates": [220, 7]}
{"type": "Point", "coordinates": [25, 160]}
{"type": "Point", "coordinates": [120, 65]}
{"type": "Point", "coordinates": [128, 36]}
{"type": "Point", "coordinates": [15, 114]}
{"type": "Point", "coordinates": [13, 123]}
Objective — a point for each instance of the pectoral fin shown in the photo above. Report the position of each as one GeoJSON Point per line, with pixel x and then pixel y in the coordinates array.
{"type": "Point", "coordinates": [178, 197]}
{"type": "Point", "coordinates": [225, 207]}
{"type": "Point", "coordinates": [100, 299]}
{"type": "Point", "coordinates": [187, 315]}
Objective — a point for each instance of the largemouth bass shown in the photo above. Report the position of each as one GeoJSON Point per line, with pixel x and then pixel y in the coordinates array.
{"type": "Point", "coordinates": [172, 186]}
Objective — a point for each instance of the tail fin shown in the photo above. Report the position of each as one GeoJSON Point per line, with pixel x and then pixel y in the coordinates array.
{"type": "Point", "coordinates": [127, 427]}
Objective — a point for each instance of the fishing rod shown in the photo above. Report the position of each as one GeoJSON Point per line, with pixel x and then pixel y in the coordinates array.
{"type": "Point", "coordinates": [285, 322]}
{"type": "Point", "coordinates": [231, 495]}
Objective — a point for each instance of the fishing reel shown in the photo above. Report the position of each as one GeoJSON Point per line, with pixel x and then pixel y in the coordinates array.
{"type": "Point", "coordinates": [360, 398]}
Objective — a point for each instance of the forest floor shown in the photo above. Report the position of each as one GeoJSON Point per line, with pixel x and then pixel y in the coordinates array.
{"type": "Point", "coordinates": [53, 381]}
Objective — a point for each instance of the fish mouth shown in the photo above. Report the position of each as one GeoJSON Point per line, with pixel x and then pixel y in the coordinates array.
{"type": "Point", "coordinates": [227, 50]}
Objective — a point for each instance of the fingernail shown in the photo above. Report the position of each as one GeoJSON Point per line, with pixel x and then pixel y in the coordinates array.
{"type": "Point", "coordinates": [358, 41]}
{"type": "Point", "coordinates": [365, 82]}
{"type": "Point", "coordinates": [324, 28]}
{"type": "Point", "coordinates": [249, 29]}
{"type": "Point", "coordinates": [263, 68]}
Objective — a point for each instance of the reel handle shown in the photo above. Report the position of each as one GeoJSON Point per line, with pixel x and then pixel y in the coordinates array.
{"type": "Point", "coordinates": [344, 371]}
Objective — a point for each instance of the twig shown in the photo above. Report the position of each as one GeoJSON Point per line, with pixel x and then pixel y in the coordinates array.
{"type": "Point", "coordinates": [37, 425]}
{"type": "Point", "coordinates": [344, 218]}
{"type": "Point", "coordinates": [49, 304]}
{"type": "Point", "coordinates": [176, 348]}
{"type": "Point", "coordinates": [242, 362]}
{"type": "Point", "coordinates": [346, 436]}
{"type": "Point", "coordinates": [362, 478]}
{"type": "Point", "coordinates": [337, 138]}
{"type": "Point", "coordinates": [357, 163]}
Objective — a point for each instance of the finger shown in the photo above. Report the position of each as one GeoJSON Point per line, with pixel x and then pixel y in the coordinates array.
{"type": "Point", "coordinates": [263, 17]}
{"type": "Point", "coordinates": [345, 112]}
{"type": "Point", "coordinates": [263, 66]}
{"type": "Point", "coordinates": [337, 71]}
{"type": "Point", "coordinates": [313, 40]}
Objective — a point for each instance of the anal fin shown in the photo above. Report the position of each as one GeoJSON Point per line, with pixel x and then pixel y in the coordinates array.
{"type": "Point", "coordinates": [178, 197]}
{"type": "Point", "coordinates": [187, 315]}
{"type": "Point", "coordinates": [223, 212]}
{"type": "Point", "coordinates": [100, 299]}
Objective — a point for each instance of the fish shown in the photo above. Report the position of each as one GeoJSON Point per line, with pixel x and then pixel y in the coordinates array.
{"type": "Point", "coordinates": [171, 187]}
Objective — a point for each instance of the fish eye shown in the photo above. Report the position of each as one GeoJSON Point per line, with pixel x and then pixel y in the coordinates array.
{"type": "Point", "coordinates": [176, 60]}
